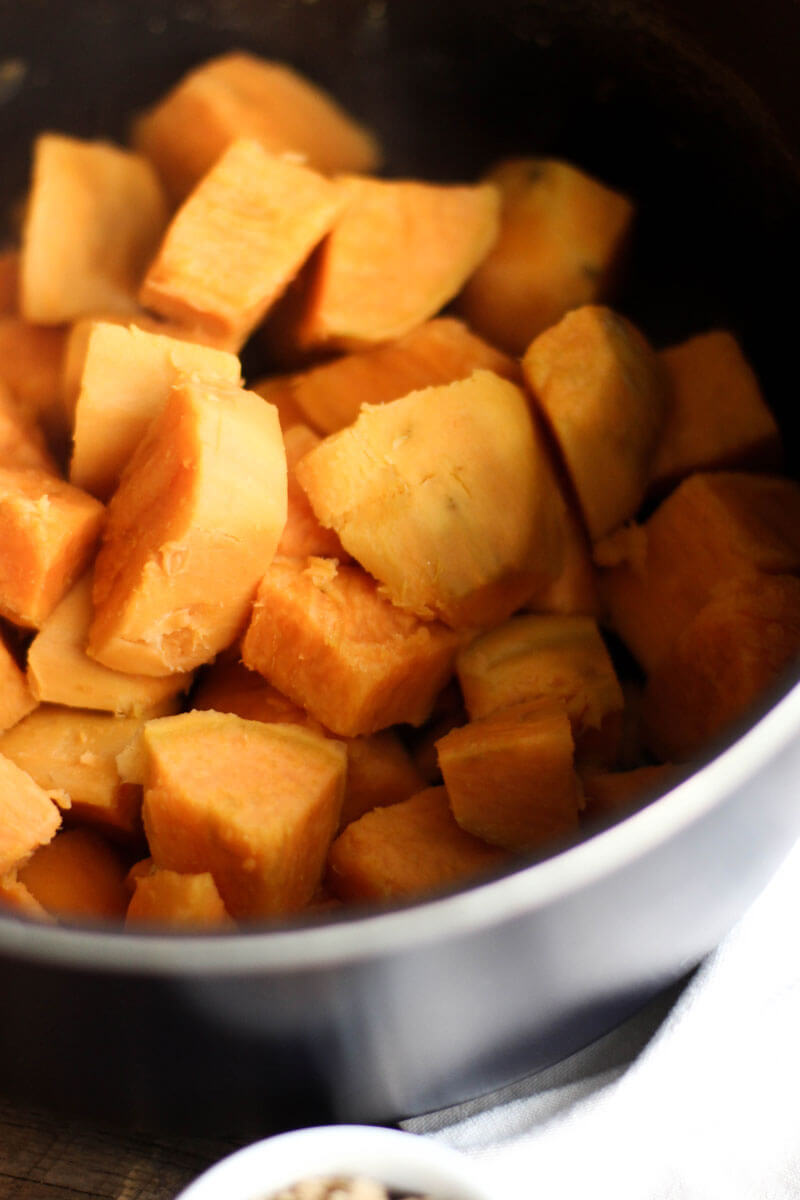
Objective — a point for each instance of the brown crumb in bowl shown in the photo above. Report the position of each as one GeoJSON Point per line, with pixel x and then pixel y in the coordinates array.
{"type": "Point", "coordinates": [351, 1188]}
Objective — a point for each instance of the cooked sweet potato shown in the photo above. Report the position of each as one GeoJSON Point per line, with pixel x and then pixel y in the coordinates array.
{"type": "Point", "coordinates": [77, 875]}
{"type": "Point", "coordinates": [177, 901]}
{"type": "Point", "coordinates": [9, 282]}
{"type": "Point", "coordinates": [608, 792]}
{"type": "Point", "coordinates": [240, 95]}
{"type": "Point", "coordinates": [21, 440]}
{"type": "Point", "coordinates": [445, 496]}
{"type": "Point", "coordinates": [15, 897]}
{"type": "Point", "coordinates": [405, 850]}
{"type": "Point", "coordinates": [561, 233]}
{"type": "Point", "coordinates": [303, 535]}
{"type": "Point", "coordinates": [190, 530]}
{"type": "Point", "coordinates": [31, 358]}
{"type": "Point", "coordinates": [379, 772]}
{"type": "Point", "coordinates": [228, 686]}
{"type": "Point", "coordinates": [28, 817]}
{"type": "Point", "coordinates": [16, 698]}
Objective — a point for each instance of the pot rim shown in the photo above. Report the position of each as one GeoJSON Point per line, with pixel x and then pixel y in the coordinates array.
{"type": "Point", "coordinates": [376, 933]}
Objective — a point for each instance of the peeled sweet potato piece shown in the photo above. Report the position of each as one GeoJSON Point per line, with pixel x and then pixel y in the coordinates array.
{"type": "Point", "coordinates": [31, 358]}
{"type": "Point", "coordinates": [561, 233]}
{"type": "Point", "coordinates": [325, 637]}
{"type": "Point", "coordinates": [94, 217]}
{"type": "Point", "coordinates": [15, 898]}
{"type": "Point", "coordinates": [16, 698]}
{"type": "Point", "coordinates": [405, 850]}
{"type": "Point", "coordinates": [177, 900]}
{"type": "Point", "coordinates": [399, 251]}
{"type": "Point", "coordinates": [190, 531]}
{"type": "Point", "coordinates": [28, 817]}
{"type": "Point", "coordinates": [240, 95]}
{"type": "Point", "coordinates": [21, 441]}
{"type": "Point", "coordinates": [256, 805]}
{"type": "Point", "coordinates": [714, 527]}
{"type": "Point", "coordinates": [616, 791]}
{"type": "Point", "coordinates": [511, 776]}
{"type": "Point", "coordinates": [228, 686]}
{"type": "Point", "coordinates": [278, 390]}
{"type": "Point", "coordinates": [48, 533]}
{"type": "Point", "coordinates": [726, 658]}
{"type": "Point", "coordinates": [302, 534]}
{"type": "Point", "coordinates": [599, 386]}
{"type": "Point", "coordinates": [126, 377]}
{"type": "Point", "coordinates": [238, 240]}
{"type": "Point", "coordinates": [380, 771]}
{"type": "Point", "coordinates": [716, 414]}
{"type": "Point", "coordinates": [445, 496]}
{"type": "Point", "coordinates": [77, 875]}
{"type": "Point", "coordinates": [9, 281]}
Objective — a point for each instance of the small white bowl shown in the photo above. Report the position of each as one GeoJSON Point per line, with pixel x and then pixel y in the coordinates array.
{"type": "Point", "coordinates": [398, 1160]}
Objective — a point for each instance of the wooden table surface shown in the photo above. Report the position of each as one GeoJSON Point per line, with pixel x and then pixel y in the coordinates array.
{"type": "Point", "coordinates": [44, 1157]}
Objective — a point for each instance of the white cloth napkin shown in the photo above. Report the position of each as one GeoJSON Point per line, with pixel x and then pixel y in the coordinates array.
{"type": "Point", "coordinates": [697, 1098]}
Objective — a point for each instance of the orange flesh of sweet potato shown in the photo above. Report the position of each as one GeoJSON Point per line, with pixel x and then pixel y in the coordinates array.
{"type": "Point", "coordinates": [28, 817]}
{"type": "Point", "coordinates": [712, 528]}
{"type": "Point", "coordinates": [406, 849]}
{"type": "Point", "coordinates": [612, 791]}
{"type": "Point", "coordinates": [725, 659]}
{"type": "Point", "coordinates": [15, 897]}
{"type": "Point", "coordinates": [78, 874]}
{"type": "Point", "coordinates": [380, 771]}
{"type": "Point", "coordinates": [190, 531]}
{"type": "Point", "coordinates": [126, 377]}
{"type": "Point", "coordinates": [278, 390]}
{"type": "Point", "coordinates": [560, 236]}
{"type": "Point", "coordinates": [439, 351]}
{"type": "Point", "coordinates": [326, 638]}
{"type": "Point", "coordinates": [445, 496]}
{"type": "Point", "coordinates": [178, 901]}
{"type": "Point", "coordinates": [94, 216]}
{"type": "Point", "coordinates": [60, 671]}
{"type": "Point", "coordinates": [238, 240]}
{"type": "Point", "coordinates": [717, 416]}
{"type": "Point", "coordinates": [302, 534]}
{"type": "Point", "coordinates": [227, 686]}
{"type": "Point", "coordinates": [48, 533]}
{"type": "Point", "coordinates": [511, 776]}
{"type": "Point", "coordinates": [9, 281]}
{"type": "Point", "coordinates": [74, 752]}
{"type": "Point", "coordinates": [600, 388]}
{"type": "Point", "coordinates": [16, 698]}
{"type": "Point", "coordinates": [256, 805]}
{"type": "Point", "coordinates": [239, 95]}
{"type": "Point", "coordinates": [399, 251]}
{"type": "Point", "coordinates": [21, 440]}
{"type": "Point", "coordinates": [31, 358]}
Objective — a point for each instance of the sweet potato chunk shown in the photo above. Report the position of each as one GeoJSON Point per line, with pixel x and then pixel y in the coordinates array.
{"type": "Point", "coordinates": [379, 772]}
{"type": "Point", "coordinates": [445, 496]}
{"type": "Point", "coordinates": [16, 698]}
{"type": "Point", "coordinates": [256, 805]}
{"type": "Point", "coordinates": [326, 638]}
{"type": "Point", "coordinates": [600, 388]}
{"type": "Point", "coordinates": [77, 875]}
{"type": "Point", "coordinates": [31, 358]}
{"type": "Point", "coordinates": [28, 817]}
{"type": "Point", "coordinates": [190, 531]}
{"type": "Point", "coordinates": [712, 528]}
{"type": "Point", "coordinates": [94, 217]}
{"type": "Point", "coordinates": [405, 850]}
{"type": "Point", "coordinates": [303, 535]}
{"type": "Point", "coordinates": [560, 236]}
{"type": "Point", "coordinates": [615, 791]}
{"type": "Point", "coordinates": [537, 657]}
{"type": "Point", "coordinates": [725, 660]}
{"type": "Point", "coordinates": [21, 441]}
{"type": "Point", "coordinates": [126, 377]}
{"type": "Point", "coordinates": [399, 251]}
{"type": "Point", "coordinates": [228, 686]}
{"type": "Point", "coordinates": [9, 281]}
{"type": "Point", "coordinates": [16, 898]}
{"type": "Point", "coordinates": [716, 415]}
{"type": "Point", "coordinates": [239, 95]}
{"type": "Point", "coordinates": [510, 777]}
{"type": "Point", "coordinates": [238, 240]}
{"type": "Point", "coordinates": [439, 351]}
{"type": "Point", "coordinates": [168, 898]}
{"type": "Point", "coordinates": [48, 532]}
{"type": "Point", "coordinates": [278, 390]}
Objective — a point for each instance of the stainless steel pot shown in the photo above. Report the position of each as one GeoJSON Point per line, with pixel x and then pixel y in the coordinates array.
{"type": "Point", "coordinates": [375, 1016]}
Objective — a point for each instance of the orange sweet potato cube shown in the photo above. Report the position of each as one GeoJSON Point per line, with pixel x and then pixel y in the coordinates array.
{"type": "Point", "coordinates": [380, 771]}
{"type": "Point", "coordinates": [608, 792]}
{"type": "Point", "coordinates": [190, 531]}
{"type": "Point", "coordinates": [574, 590]}
{"type": "Point", "coordinates": [48, 533]}
{"type": "Point", "coordinates": [399, 251]}
{"type": "Point", "coordinates": [16, 698]}
{"type": "Point", "coordinates": [716, 415]}
{"type": "Point", "coordinates": [302, 534]}
{"type": "Point", "coordinates": [713, 527]}
{"type": "Point", "coordinates": [21, 440]}
{"type": "Point", "coordinates": [178, 901]}
{"type": "Point", "coordinates": [15, 898]}
{"type": "Point", "coordinates": [439, 351]}
{"type": "Point", "coordinates": [61, 672]}
{"type": "Point", "coordinates": [325, 637]}
{"type": "Point", "coordinates": [77, 875]}
{"type": "Point", "coordinates": [237, 242]}
{"type": "Point", "coordinates": [724, 661]}
{"type": "Point", "coordinates": [126, 377]}
{"type": "Point", "coordinates": [560, 658]}
{"type": "Point", "coordinates": [256, 805]}
{"type": "Point", "coordinates": [279, 390]}
{"type": "Point", "coordinates": [405, 850]}
{"type": "Point", "coordinates": [446, 496]}
{"type": "Point", "coordinates": [561, 233]}
{"type": "Point", "coordinates": [28, 817]}
{"type": "Point", "coordinates": [31, 358]}
{"type": "Point", "coordinates": [9, 281]}
{"type": "Point", "coordinates": [600, 388]}
{"type": "Point", "coordinates": [228, 686]}
{"type": "Point", "coordinates": [240, 95]}
{"type": "Point", "coordinates": [511, 776]}
{"type": "Point", "coordinates": [94, 217]}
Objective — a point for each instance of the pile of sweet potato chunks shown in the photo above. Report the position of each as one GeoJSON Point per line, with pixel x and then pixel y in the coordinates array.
{"type": "Point", "coordinates": [342, 634]}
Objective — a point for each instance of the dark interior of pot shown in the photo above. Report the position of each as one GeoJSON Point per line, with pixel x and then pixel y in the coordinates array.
{"type": "Point", "coordinates": [696, 121]}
